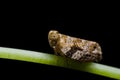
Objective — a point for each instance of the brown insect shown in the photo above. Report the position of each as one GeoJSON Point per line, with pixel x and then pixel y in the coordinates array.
{"type": "Point", "coordinates": [74, 48]}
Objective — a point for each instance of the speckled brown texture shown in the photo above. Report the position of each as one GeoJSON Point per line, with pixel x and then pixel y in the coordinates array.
{"type": "Point", "coordinates": [74, 48]}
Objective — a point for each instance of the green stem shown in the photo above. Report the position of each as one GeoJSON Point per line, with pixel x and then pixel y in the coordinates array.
{"type": "Point", "coordinates": [39, 57]}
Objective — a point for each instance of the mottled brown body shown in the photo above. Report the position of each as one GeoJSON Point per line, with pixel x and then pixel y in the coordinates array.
{"type": "Point", "coordinates": [74, 48]}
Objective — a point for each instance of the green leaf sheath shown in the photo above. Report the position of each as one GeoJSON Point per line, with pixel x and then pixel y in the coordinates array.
{"type": "Point", "coordinates": [49, 59]}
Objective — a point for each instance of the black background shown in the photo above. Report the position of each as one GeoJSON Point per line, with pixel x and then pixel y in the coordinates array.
{"type": "Point", "coordinates": [27, 28]}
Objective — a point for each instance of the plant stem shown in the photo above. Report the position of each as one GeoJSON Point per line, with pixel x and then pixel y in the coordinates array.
{"type": "Point", "coordinates": [44, 58]}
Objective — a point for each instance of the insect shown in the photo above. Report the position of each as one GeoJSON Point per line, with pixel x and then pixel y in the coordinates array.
{"type": "Point", "coordinates": [74, 48]}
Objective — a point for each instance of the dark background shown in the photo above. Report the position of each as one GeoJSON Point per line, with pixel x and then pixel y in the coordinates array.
{"type": "Point", "coordinates": [27, 28]}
